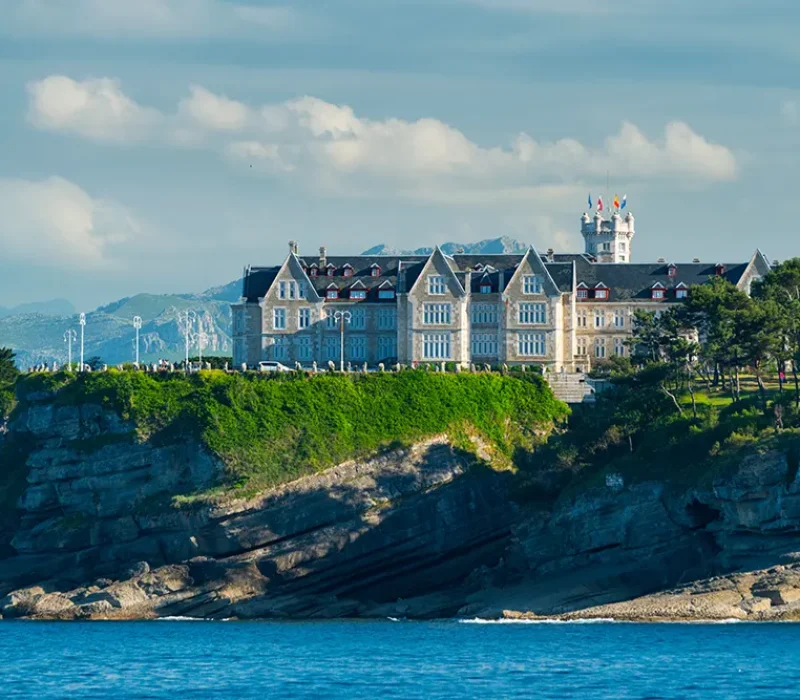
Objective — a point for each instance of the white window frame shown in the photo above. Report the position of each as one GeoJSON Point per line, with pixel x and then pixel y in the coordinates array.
{"type": "Point", "coordinates": [304, 317]}
{"type": "Point", "coordinates": [280, 347]}
{"type": "Point", "coordinates": [532, 284]}
{"type": "Point", "coordinates": [484, 345]}
{"type": "Point", "coordinates": [599, 318]}
{"type": "Point", "coordinates": [583, 293]}
{"type": "Point", "coordinates": [484, 314]}
{"type": "Point", "coordinates": [305, 348]}
{"type": "Point", "coordinates": [437, 285]}
{"type": "Point", "coordinates": [358, 294]}
{"type": "Point", "coordinates": [331, 348]}
{"type": "Point", "coordinates": [601, 293]}
{"type": "Point", "coordinates": [279, 318]}
{"type": "Point", "coordinates": [330, 321]}
{"type": "Point", "coordinates": [681, 293]}
{"type": "Point", "coordinates": [386, 294]}
{"type": "Point", "coordinates": [600, 348]}
{"type": "Point", "coordinates": [436, 346]}
{"type": "Point", "coordinates": [331, 293]}
{"type": "Point", "coordinates": [658, 293]}
{"type": "Point", "coordinates": [358, 319]}
{"type": "Point", "coordinates": [387, 319]}
{"type": "Point", "coordinates": [387, 346]}
{"type": "Point", "coordinates": [437, 314]}
{"type": "Point", "coordinates": [532, 314]}
{"type": "Point", "coordinates": [619, 347]}
{"type": "Point", "coordinates": [580, 345]}
{"type": "Point", "coordinates": [532, 344]}
{"type": "Point", "coordinates": [583, 317]}
{"type": "Point", "coordinates": [619, 318]}
{"type": "Point", "coordinates": [357, 348]}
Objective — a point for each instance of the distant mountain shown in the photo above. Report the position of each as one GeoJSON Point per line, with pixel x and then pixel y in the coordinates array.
{"type": "Point", "coordinates": [490, 246]}
{"type": "Point", "coordinates": [54, 307]}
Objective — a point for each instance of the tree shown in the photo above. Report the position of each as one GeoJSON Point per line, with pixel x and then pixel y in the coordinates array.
{"type": "Point", "coordinates": [8, 370]}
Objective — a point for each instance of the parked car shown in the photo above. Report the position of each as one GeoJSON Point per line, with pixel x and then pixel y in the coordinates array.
{"type": "Point", "coordinates": [272, 366]}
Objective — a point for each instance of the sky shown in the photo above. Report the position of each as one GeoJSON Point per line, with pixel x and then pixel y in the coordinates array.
{"type": "Point", "coordinates": [161, 145]}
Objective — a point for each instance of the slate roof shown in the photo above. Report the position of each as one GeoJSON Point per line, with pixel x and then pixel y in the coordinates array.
{"type": "Point", "coordinates": [624, 280]}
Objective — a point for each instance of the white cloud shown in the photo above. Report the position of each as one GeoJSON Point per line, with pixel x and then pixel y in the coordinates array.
{"type": "Point", "coordinates": [111, 19]}
{"type": "Point", "coordinates": [55, 222]}
{"type": "Point", "coordinates": [333, 144]}
{"type": "Point", "coordinates": [95, 109]}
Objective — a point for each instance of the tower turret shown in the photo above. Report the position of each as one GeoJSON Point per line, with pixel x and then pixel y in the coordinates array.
{"type": "Point", "coordinates": [608, 240]}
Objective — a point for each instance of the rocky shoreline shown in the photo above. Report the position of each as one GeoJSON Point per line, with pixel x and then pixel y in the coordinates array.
{"type": "Point", "coordinates": [422, 532]}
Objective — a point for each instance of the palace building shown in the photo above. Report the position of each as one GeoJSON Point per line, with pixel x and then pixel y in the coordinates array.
{"type": "Point", "coordinates": [560, 310]}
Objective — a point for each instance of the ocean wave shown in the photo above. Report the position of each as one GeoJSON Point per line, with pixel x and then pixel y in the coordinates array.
{"type": "Point", "coordinates": [539, 621]}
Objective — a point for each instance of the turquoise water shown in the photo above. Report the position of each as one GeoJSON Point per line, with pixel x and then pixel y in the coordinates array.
{"type": "Point", "coordinates": [175, 659]}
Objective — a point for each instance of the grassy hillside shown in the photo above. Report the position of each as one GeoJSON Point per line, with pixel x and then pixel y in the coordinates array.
{"type": "Point", "coordinates": [269, 430]}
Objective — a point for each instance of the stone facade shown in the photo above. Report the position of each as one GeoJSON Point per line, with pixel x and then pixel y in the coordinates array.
{"type": "Point", "coordinates": [562, 311]}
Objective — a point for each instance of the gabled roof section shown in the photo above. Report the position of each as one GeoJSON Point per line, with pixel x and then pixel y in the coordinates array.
{"type": "Point", "coordinates": [358, 284]}
{"type": "Point", "coordinates": [537, 267]}
{"type": "Point", "coordinates": [449, 263]}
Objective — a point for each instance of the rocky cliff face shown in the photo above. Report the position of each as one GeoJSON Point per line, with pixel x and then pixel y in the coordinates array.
{"type": "Point", "coordinates": [418, 532]}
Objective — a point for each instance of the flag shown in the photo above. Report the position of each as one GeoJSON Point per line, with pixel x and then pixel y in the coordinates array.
{"type": "Point", "coordinates": [624, 201]}
{"type": "Point", "coordinates": [590, 200]}
{"type": "Point", "coordinates": [616, 201]}
{"type": "Point", "coordinates": [600, 203]}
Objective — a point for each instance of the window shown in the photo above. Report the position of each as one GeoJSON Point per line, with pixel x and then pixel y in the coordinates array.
{"type": "Point", "coordinates": [331, 321]}
{"type": "Point", "coordinates": [599, 319]}
{"type": "Point", "coordinates": [531, 284]}
{"type": "Point", "coordinates": [280, 347]}
{"type": "Point", "coordinates": [357, 348]}
{"type": "Point", "coordinates": [619, 318]}
{"type": "Point", "coordinates": [622, 258]}
{"type": "Point", "coordinates": [331, 270]}
{"type": "Point", "coordinates": [281, 290]}
{"type": "Point", "coordinates": [531, 344]}
{"type": "Point", "coordinates": [436, 346]}
{"type": "Point", "coordinates": [583, 294]}
{"type": "Point", "coordinates": [304, 318]}
{"type": "Point", "coordinates": [621, 247]}
{"type": "Point", "coordinates": [293, 290]}
{"type": "Point", "coordinates": [287, 289]}
{"type": "Point", "coordinates": [375, 271]}
{"type": "Point", "coordinates": [305, 350]}
{"type": "Point", "coordinates": [484, 345]}
{"type": "Point", "coordinates": [358, 319]}
{"type": "Point", "coordinates": [486, 289]}
{"type": "Point", "coordinates": [681, 293]}
{"type": "Point", "coordinates": [619, 347]}
{"type": "Point", "coordinates": [302, 291]}
{"type": "Point", "coordinates": [387, 319]}
{"type": "Point", "coordinates": [600, 348]}
{"type": "Point", "coordinates": [332, 294]}
{"type": "Point", "coordinates": [312, 271]}
{"type": "Point", "coordinates": [330, 348]}
{"type": "Point", "coordinates": [436, 285]}
{"type": "Point", "coordinates": [358, 294]}
{"type": "Point", "coordinates": [532, 313]}
{"type": "Point", "coordinates": [580, 344]}
{"type": "Point", "coordinates": [387, 347]}
{"type": "Point", "coordinates": [658, 294]}
{"type": "Point", "coordinates": [279, 319]}
{"type": "Point", "coordinates": [386, 294]}
{"type": "Point", "coordinates": [583, 315]}
{"type": "Point", "coordinates": [436, 314]}
{"type": "Point", "coordinates": [672, 271]}
{"type": "Point", "coordinates": [347, 271]}
{"type": "Point", "coordinates": [601, 294]}
{"type": "Point", "coordinates": [484, 314]}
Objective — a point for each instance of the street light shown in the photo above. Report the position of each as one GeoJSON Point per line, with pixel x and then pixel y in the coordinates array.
{"type": "Point", "coordinates": [137, 325]}
{"type": "Point", "coordinates": [82, 321]}
{"type": "Point", "coordinates": [342, 317]}
{"type": "Point", "coordinates": [69, 337]}
{"type": "Point", "coordinates": [202, 339]}
{"type": "Point", "coordinates": [191, 317]}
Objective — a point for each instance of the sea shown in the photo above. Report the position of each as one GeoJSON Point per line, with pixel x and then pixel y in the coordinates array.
{"type": "Point", "coordinates": [397, 659]}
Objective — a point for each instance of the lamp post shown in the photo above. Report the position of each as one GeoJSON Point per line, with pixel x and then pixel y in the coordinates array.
{"type": "Point", "coordinates": [202, 340]}
{"type": "Point", "coordinates": [191, 317]}
{"type": "Point", "coordinates": [82, 321]}
{"type": "Point", "coordinates": [137, 325]}
{"type": "Point", "coordinates": [69, 337]}
{"type": "Point", "coordinates": [342, 317]}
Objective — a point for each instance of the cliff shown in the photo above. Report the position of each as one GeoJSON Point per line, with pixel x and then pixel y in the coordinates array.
{"type": "Point", "coordinates": [102, 519]}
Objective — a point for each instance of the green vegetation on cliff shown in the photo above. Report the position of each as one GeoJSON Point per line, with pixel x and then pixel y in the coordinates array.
{"type": "Point", "coordinates": [268, 430]}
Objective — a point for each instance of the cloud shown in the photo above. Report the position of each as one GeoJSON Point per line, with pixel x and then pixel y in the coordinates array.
{"type": "Point", "coordinates": [126, 19]}
{"type": "Point", "coordinates": [55, 222]}
{"type": "Point", "coordinates": [343, 151]}
{"type": "Point", "coordinates": [95, 109]}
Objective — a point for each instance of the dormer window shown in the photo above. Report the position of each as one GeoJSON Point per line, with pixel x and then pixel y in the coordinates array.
{"type": "Point", "coordinates": [358, 294]}
{"type": "Point", "coordinates": [486, 288]}
{"type": "Point", "coordinates": [681, 291]}
{"type": "Point", "coordinates": [330, 269]}
{"type": "Point", "coordinates": [582, 291]}
{"type": "Point", "coordinates": [312, 271]}
{"type": "Point", "coordinates": [332, 292]}
{"type": "Point", "coordinates": [601, 293]}
{"type": "Point", "coordinates": [375, 270]}
{"type": "Point", "coordinates": [347, 270]}
{"type": "Point", "coordinates": [719, 269]}
{"type": "Point", "coordinates": [658, 292]}
{"type": "Point", "coordinates": [672, 271]}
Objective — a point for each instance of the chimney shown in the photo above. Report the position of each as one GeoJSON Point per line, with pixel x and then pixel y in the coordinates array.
{"type": "Point", "coordinates": [323, 256]}
{"type": "Point", "coordinates": [695, 260]}
{"type": "Point", "coordinates": [550, 253]}
{"type": "Point", "coordinates": [663, 260]}
{"type": "Point", "coordinates": [293, 247]}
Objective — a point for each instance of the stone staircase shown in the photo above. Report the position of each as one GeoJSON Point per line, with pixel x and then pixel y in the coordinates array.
{"type": "Point", "coordinates": [571, 387]}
